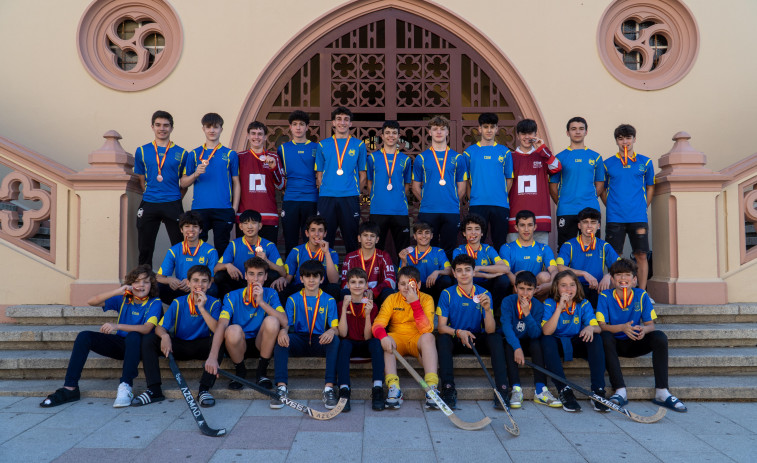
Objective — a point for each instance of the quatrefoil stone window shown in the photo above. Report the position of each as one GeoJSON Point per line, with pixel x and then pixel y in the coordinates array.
{"type": "Point", "coordinates": [129, 45]}
{"type": "Point", "coordinates": [648, 45]}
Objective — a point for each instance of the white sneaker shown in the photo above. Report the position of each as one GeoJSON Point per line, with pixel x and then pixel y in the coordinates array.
{"type": "Point", "coordinates": [546, 398]}
{"type": "Point", "coordinates": [124, 396]}
{"type": "Point", "coordinates": [516, 397]}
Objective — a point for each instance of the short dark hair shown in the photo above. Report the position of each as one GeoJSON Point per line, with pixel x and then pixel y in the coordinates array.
{"type": "Point", "coordinates": [299, 115]}
{"type": "Point", "coordinates": [554, 292]}
{"type": "Point", "coordinates": [525, 277]}
{"type": "Point", "coordinates": [472, 218]}
{"type": "Point", "coordinates": [250, 214]}
{"type": "Point", "coordinates": [370, 227]}
{"type": "Point", "coordinates": [390, 125]}
{"type": "Point", "coordinates": [317, 220]}
{"type": "Point", "coordinates": [410, 272]}
{"type": "Point", "coordinates": [526, 126]}
{"type": "Point", "coordinates": [438, 121]}
{"type": "Point", "coordinates": [211, 119]}
{"type": "Point", "coordinates": [144, 269]}
{"type": "Point", "coordinates": [159, 114]}
{"type": "Point", "coordinates": [524, 214]}
{"type": "Point", "coordinates": [190, 218]}
{"type": "Point", "coordinates": [257, 125]}
{"type": "Point", "coordinates": [421, 226]}
{"type": "Point", "coordinates": [356, 272]}
{"type": "Point", "coordinates": [341, 110]}
{"type": "Point", "coordinates": [255, 262]}
{"type": "Point", "coordinates": [576, 119]}
{"type": "Point", "coordinates": [463, 259]}
{"type": "Point", "coordinates": [625, 130]}
{"type": "Point", "coordinates": [589, 213]}
{"type": "Point", "coordinates": [623, 266]}
{"type": "Point", "coordinates": [203, 270]}
{"type": "Point", "coordinates": [311, 268]}
{"type": "Point", "coordinates": [488, 118]}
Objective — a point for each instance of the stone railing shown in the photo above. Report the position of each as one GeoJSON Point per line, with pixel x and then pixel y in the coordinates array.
{"type": "Point", "coordinates": [85, 216]}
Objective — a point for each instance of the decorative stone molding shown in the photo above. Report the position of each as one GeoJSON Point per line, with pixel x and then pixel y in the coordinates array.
{"type": "Point", "coordinates": [98, 28]}
{"type": "Point", "coordinates": [665, 41]}
{"type": "Point", "coordinates": [10, 188]}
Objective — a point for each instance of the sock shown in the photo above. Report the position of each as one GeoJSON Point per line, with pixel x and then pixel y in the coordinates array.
{"type": "Point", "coordinates": [621, 391]}
{"type": "Point", "coordinates": [328, 388]}
{"type": "Point", "coordinates": [539, 387]}
{"type": "Point", "coordinates": [393, 380]}
{"type": "Point", "coordinates": [263, 366]}
{"type": "Point", "coordinates": [155, 390]}
{"type": "Point", "coordinates": [203, 388]}
{"type": "Point", "coordinates": [377, 383]}
{"type": "Point", "coordinates": [240, 369]}
{"type": "Point", "coordinates": [432, 379]}
{"type": "Point", "coordinates": [662, 394]}
{"type": "Point", "coordinates": [344, 386]}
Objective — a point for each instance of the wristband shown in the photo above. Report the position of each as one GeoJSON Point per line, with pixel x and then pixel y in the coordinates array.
{"type": "Point", "coordinates": [379, 332]}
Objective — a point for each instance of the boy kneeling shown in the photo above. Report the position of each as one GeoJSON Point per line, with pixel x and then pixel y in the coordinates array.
{"type": "Point", "coordinates": [626, 317]}
{"type": "Point", "coordinates": [355, 320]}
{"type": "Point", "coordinates": [185, 330]}
{"type": "Point", "coordinates": [409, 317]}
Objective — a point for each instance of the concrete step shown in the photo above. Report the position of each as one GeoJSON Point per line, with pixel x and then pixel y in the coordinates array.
{"type": "Point", "coordinates": [717, 388]}
{"type": "Point", "coordinates": [59, 315]}
{"type": "Point", "coordinates": [50, 364]}
{"type": "Point", "coordinates": [727, 313]}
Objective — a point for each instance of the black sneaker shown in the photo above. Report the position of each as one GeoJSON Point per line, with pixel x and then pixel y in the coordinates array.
{"type": "Point", "coordinates": [344, 392]}
{"type": "Point", "coordinates": [569, 402]}
{"type": "Point", "coordinates": [505, 397]}
{"type": "Point", "coordinates": [449, 395]}
{"type": "Point", "coordinates": [329, 398]}
{"type": "Point", "coordinates": [377, 398]}
{"type": "Point", "coordinates": [599, 406]}
{"type": "Point", "coordinates": [265, 382]}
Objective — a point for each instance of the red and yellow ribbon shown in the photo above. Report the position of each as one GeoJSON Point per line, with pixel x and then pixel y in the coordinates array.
{"type": "Point", "coordinates": [185, 248]}
{"type": "Point", "coordinates": [626, 300]}
{"type": "Point", "coordinates": [211, 154]}
{"type": "Point", "coordinates": [340, 157]}
{"type": "Point", "coordinates": [390, 173]}
{"type": "Point", "coordinates": [589, 247]}
{"type": "Point", "coordinates": [443, 167]}
{"type": "Point", "coordinates": [157, 157]}
{"type": "Point", "coordinates": [418, 259]}
{"type": "Point", "coordinates": [247, 297]}
{"type": "Point", "coordinates": [311, 325]}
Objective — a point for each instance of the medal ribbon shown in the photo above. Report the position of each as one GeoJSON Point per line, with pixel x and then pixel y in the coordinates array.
{"type": "Point", "coordinates": [472, 291]}
{"type": "Point", "coordinates": [624, 159]}
{"type": "Point", "coordinates": [471, 252]}
{"type": "Point", "coordinates": [626, 300]}
{"type": "Point", "coordinates": [252, 249]}
{"type": "Point", "coordinates": [418, 259]}
{"type": "Point", "coordinates": [362, 262]}
{"type": "Point", "coordinates": [340, 158]}
{"type": "Point", "coordinates": [352, 309]}
{"type": "Point", "coordinates": [443, 167]}
{"type": "Point", "coordinates": [247, 293]}
{"type": "Point", "coordinates": [589, 247]}
{"type": "Point", "coordinates": [191, 303]}
{"type": "Point", "coordinates": [520, 311]}
{"type": "Point", "coordinates": [157, 157]}
{"type": "Point", "coordinates": [211, 154]}
{"type": "Point", "coordinates": [315, 312]}
{"type": "Point", "coordinates": [394, 163]}
{"type": "Point", "coordinates": [572, 308]}
{"type": "Point", "coordinates": [318, 254]}
{"type": "Point", "coordinates": [257, 156]}
{"type": "Point", "coordinates": [185, 248]}
{"type": "Point", "coordinates": [131, 298]}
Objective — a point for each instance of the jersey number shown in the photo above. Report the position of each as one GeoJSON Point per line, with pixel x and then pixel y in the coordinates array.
{"type": "Point", "coordinates": [526, 184]}
{"type": "Point", "coordinates": [257, 182]}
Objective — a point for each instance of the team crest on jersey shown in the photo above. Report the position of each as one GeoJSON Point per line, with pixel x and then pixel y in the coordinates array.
{"type": "Point", "coordinates": [501, 159]}
{"type": "Point", "coordinates": [352, 152]}
{"type": "Point", "coordinates": [591, 162]}
{"type": "Point", "coordinates": [201, 260]}
{"type": "Point", "coordinates": [538, 259]}
{"type": "Point", "coordinates": [641, 168]}
{"type": "Point", "coordinates": [576, 320]}
{"type": "Point", "coordinates": [520, 327]}
{"type": "Point", "coordinates": [313, 153]}
{"type": "Point", "coordinates": [537, 164]}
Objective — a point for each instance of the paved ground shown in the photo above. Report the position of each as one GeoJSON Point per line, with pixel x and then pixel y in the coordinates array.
{"type": "Point", "coordinates": [92, 431]}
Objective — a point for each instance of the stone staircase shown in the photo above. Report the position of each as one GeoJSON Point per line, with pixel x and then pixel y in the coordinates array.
{"type": "Point", "coordinates": [713, 356]}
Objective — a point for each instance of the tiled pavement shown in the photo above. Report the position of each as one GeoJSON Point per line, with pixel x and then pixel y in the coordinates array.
{"type": "Point", "coordinates": [92, 431]}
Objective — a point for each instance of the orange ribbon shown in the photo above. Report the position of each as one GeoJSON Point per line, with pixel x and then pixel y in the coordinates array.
{"type": "Point", "coordinates": [626, 300]}
{"type": "Point", "coordinates": [185, 248]}
{"type": "Point", "coordinates": [247, 296]}
{"type": "Point", "coordinates": [443, 167]}
{"type": "Point", "coordinates": [589, 247]}
{"type": "Point", "coordinates": [252, 250]}
{"type": "Point", "coordinates": [211, 154]}
{"type": "Point", "coordinates": [362, 262]}
{"type": "Point", "coordinates": [394, 163]}
{"type": "Point", "coordinates": [191, 303]}
{"type": "Point", "coordinates": [340, 158]}
{"type": "Point", "coordinates": [131, 298]}
{"type": "Point", "coordinates": [572, 308]}
{"type": "Point", "coordinates": [352, 309]}
{"type": "Point", "coordinates": [418, 259]}
{"type": "Point", "coordinates": [471, 252]}
{"type": "Point", "coordinates": [157, 157]}
{"type": "Point", "coordinates": [624, 159]}
{"type": "Point", "coordinates": [317, 255]}
{"type": "Point", "coordinates": [315, 312]}
{"type": "Point", "coordinates": [472, 292]}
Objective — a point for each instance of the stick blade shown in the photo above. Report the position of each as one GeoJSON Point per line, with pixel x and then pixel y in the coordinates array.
{"type": "Point", "coordinates": [322, 416]}
{"type": "Point", "coordinates": [514, 429]}
{"type": "Point", "coordinates": [481, 424]}
{"type": "Point", "coordinates": [208, 431]}
{"type": "Point", "coordinates": [648, 419]}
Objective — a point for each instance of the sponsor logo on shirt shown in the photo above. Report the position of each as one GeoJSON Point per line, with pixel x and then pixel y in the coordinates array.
{"type": "Point", "coordinates": [398, 309]}
{"type": "Point", "coordinates": [537, 164]}
{"type": "Point", "coordinates": [579, 160]}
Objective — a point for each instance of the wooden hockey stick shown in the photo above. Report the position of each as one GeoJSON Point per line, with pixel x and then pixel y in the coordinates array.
{"type": "Point", "coordinates": [194, 409]}
{"type": "Point", "coordinates": [440, 403]}
{"type": "Point", "coordinates": [289, 402]}
{"type": "Point", "coordinates": [514, 430]}
{"type": "Point", "coordinates": [611, 405]}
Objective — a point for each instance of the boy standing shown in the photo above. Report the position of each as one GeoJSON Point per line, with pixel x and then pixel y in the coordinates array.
{"type": "Point", "coordinates": [533, 162]}
{"type": "Point", "coordinates": [260, 175]}
{"type": "Point", "coordinates": [439, 183]}
{"type": "Point", "coordinates": [301, 193]}
{"type": "Point", "coordinates": [389, 177]}
{"type": "Point", "coordinates": [355, 320]}
{"type": "Point", "coordinates": [376, 263]}
{"type": "Point", "coordinates": [213, 169]}
{"type": "Point", "coordinates": [431, 262]}
{"type": "Point", "coordinates": [626, 316]}
{"type": "Point", "coordinates": [340, 176]}
{"type": "Point", "coordinates": [629, 181]}
{"type": "Point", "coordinates": [526, 254]}
{"type": "Point", "coordinates": [409, 318]}
{"type": "Point", "coordinates": [491, 165]}
{"type": "Point", "coordinates": [313, 317]}
{"type": "Point", "coordinates": [186, 330]}
{"type": "Point", "coordinates": [579, 183]}
{"type": "Point", "coordinates": [182, 256]}
{"type": "Point", "coordinates": [466, 318]}
{"type": "Point", "coordinates": [159, 165]}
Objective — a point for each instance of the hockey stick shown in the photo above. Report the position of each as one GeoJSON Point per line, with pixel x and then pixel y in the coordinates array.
{"type": "Point", "coordinates": [514, 430]}
{"type": "Point", "coordinates": [289, 402]}
{"type": "Point", "coordinates": [193, 408]}
{"type": "Point", "coordinates": [611, 405]}
{"type": "Point", "coordinates": [440, 403]}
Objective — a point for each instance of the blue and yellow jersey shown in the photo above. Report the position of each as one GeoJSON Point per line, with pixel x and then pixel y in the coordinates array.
{"type": "Point", "coordinates": [302, 254]}
{"type": "Point", "coordinates": [484, 256]}
{"type": "Point", "coordinates": [462, 312]}
{"type": "Point", "coordinates": [327, 161]}
{"type": "Point", "coordinates": [427, 262]}
{"type": "Point", "coordinates": [239, 251]}
{"type": "Point", "coordinates": [248, 314]}
{"type": "Point", "coordinates": [394, 201]}
{"type": "Point", "coordinates": [489, 167]}
{"type": "Point", "coordinates": [569, 325]}
{"type": "Point", "coordinates": [436, 198]}
{"type": "Point", "coordinates": [535, 258]}
{"type": "Point", "coordinates": [639, 311]}
{"type": "Point", "coordinates": [213, 190]}
{"type": "Point", "coordinates": [516, 325]}
{"type": "Point", "coordinates": [595, 261]}
{"type": "Point", "coordinates": [178, 263]}
{"type": "Point", "coordinates": [172, 166]}
{"type": "Point", "coordinates": [132, 312]}
{"type": "Point", "coordinates": [576, 190]}
{"type": "Point", "coordinates": [298, 162]}
{"type": "Point", "coordinates": [311, 314]}
{"type": "Point", "coordinates": [627, 188]}
{"type": "Point", "coordinates": [181, 323]}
